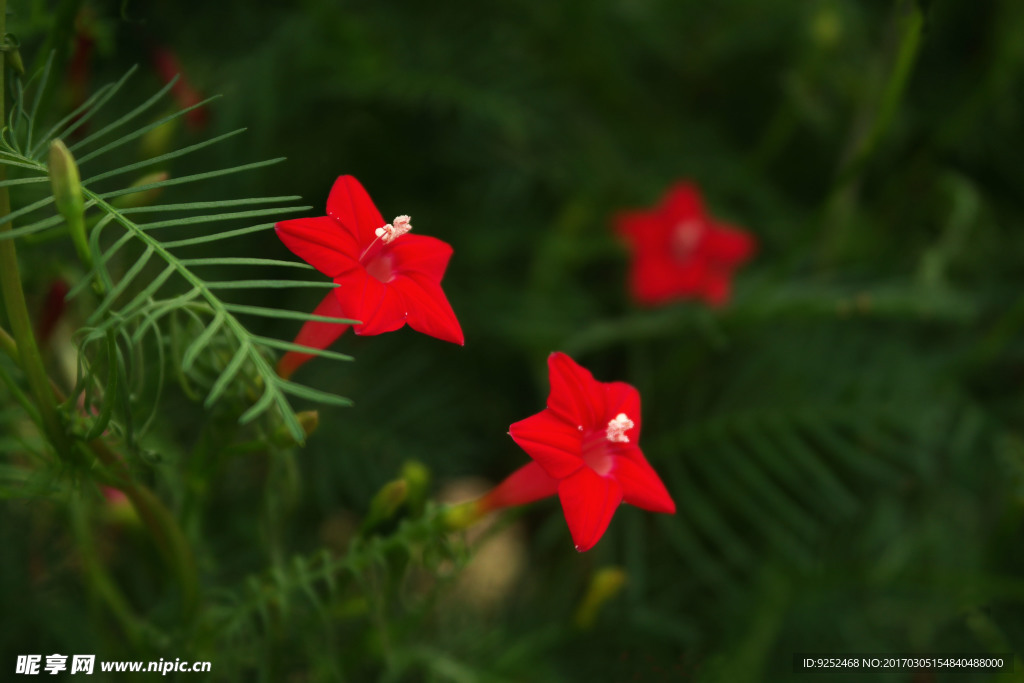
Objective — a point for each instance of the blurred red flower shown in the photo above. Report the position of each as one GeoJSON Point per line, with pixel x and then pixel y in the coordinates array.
{"type": "Point", "coordinates": [584, 447]}
{"type": "Point", "coordinates": [167, 66]}
{"type": "Point", "coordinates": [679, 251]}
{"type": "Point", "coordinates": [386, 277]}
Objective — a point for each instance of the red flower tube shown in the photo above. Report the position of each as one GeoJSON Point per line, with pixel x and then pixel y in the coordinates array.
{"type": "Point", "coordinates": [584, 448]}
{"type": "Point", "coordinates": [679, 251]}
{"type": "Point", "coordinates": [53, 309]}
{"type": "Point", "coordinates": [386, 277]}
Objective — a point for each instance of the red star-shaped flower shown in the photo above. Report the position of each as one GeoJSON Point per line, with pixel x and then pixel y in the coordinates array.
{"type": "Point", "coordinates": [386, 277]}
{"type": "Point", "coordinates": [680, 251]}
{"type": "Point", "coordinates": [584, 448]}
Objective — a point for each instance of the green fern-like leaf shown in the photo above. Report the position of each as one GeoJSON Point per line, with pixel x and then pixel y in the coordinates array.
{"type": "Point", "coordinates": [163, 281]}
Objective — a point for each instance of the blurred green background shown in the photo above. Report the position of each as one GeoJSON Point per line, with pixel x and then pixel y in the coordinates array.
{"type": "Point", "coordinates": [843, 440]}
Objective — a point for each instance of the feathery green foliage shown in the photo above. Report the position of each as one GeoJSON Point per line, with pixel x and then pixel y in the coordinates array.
{"type": "Point", "coordinates": [134, 303]}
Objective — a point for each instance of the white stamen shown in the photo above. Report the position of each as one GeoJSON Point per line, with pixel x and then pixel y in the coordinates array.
{"type": "Point", "coordinates": [394, 230]}
{"type": "Point", "coordinates": [618, 427]}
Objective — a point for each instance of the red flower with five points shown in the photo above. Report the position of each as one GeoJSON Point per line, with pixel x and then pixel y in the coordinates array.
{"type": "Point", "coordinates": [386, 277]}
{"type": "Point", "coordinates": [584, 448]}
{"type": "Point", "coordinates": [680, 251]}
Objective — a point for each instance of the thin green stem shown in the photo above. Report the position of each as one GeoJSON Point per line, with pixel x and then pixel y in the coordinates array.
{"type": "Point", "coordinates": [24, 401]}
{"type": "Point", "coordinates": [9, 346]}
{"type": "Point", "coordinates": [96, 574]}
{"type": "Point", "coordinates": [17, 309]}
{"type": "Point", "coordinates": [871, 126]}
{"type": "Point", "coordinates": [912, 23]}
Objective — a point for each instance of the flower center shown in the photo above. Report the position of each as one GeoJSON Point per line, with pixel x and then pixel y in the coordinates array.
{"type": "Point", "coordinates": [685, 237]}
{"type": "Point", "coordinates": [375, 258]}
{"type": "Point", "coordinates": [381, 267]}
{"type": "Point", "coordinates": [595, 450]}
{"type": "Point", "coordinates": [394, 230]}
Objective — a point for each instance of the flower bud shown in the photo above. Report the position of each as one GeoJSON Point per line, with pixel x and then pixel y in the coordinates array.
{"type": "Point", "coordinates": [463, 515]}
{"type": "Point", "coordinates": [605, 585]}
{"type": "Point", "coordinates": [386, 503]}
{"type": "Point", "coordinates": [827, 27]}
{"type": "Point", "coordinates": [118, 509]}
{"type": "Point", "coordinates": [67, 191]}
{"type": "Point", "coordinates": [14, 56]}
{"type": "Point", "coordinates": [417, 477]}
{"type": "Point", "coordinates": [159, 140]}
{"type": "Point", "coordinates": [143, 197]}
{"type": "Point", "coordinates": [309, 420]}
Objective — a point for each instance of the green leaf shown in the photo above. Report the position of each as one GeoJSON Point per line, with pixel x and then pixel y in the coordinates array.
{"type": "Point", "coordinates": [213, 218]}
{"type": "Point", "coordinates": [291, 346]}
{"type": "Point", "coordinates": [287, 315]}
{"type": "Point", "coordinates": [200, 342]}
{"type": "Point", "coordinates": [302, 391]}
{"type": "Point", "coordinates": [125, 139]}
{"type": "Point", "coordinates": [218, 236]}
{"type": "Point", "coordinates": [215, 325]}
{"type": "Point", "coordinates": [243, 261]}
{"type": "Point", "coordinates": [163, 157]}
{"type": "Point", "coordinates": [125, 118]}
{"type": "Point", "coordinates": [270, 284]}
{"type": "Point", "coordinates": [189, 206]}
{"type": "Point", "coordinates": [241, 355]}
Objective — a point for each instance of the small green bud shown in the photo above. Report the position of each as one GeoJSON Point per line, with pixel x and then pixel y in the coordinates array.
{"type": "Point", "coordinates": [417, 476]}
{"type": "Point", "coordinates": [386, 503]}
{"type": "Point", "coordinates": [159, 140]}
{"type": "Point", "coordinates": [143, 197]}
{"type": "Point", "coordinates": [14, 61]}
{"type": "Point", "coordinates": [309, 420]}
{"type": "Point", "coordinates": [118, 509]}
{"type": "Point", "coordinates": [827, 27]}
{"type": "Point", "coordinates": [463, 515]}
{"type": "Point", "coordinates": [13, 54]}
{"type": "Point", "coordinates": [605, 585]}
{"type": "Point", "coordinates": [67, 191]}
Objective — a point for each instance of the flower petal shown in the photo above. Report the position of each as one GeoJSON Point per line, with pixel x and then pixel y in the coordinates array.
{"type": "Point", "coordinates": [716, 287]}
{"type": "Point", "coordinates": [624, 398]}
{"type": "Point", "coordinates": [641, 485]}
{"type": "Point", "coordinates": [421, 254]}
{"type": "Point", "coordinates": [525, 485]}
{"type": "Point", "coordinates": [682, 202]}
{"type": "Point", "coordinates": [641, 229]}
{"type": "Point", "coordinates": [728, 246]}
{"type": "Point", "coordinates": [685, 279]}
{"type": "Point", "coordinates": [588, 501]}
{"type": "Point", "coordinates": [551, 442]}
{"type": "Point", "coordinates": [427, 307]}
{"type": "Point", "coordinates": [350, 205]}
{"type": "Point", "coordinates": [321, 243]}
{"type": "Point", "coordinates": [366, 298]}
{"type": "Point", "coordinates": [653, 279]}
{"type": "Point", "coordinates": [316, 334]}
{"type": "Point", "coordinates": [575, 395]}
